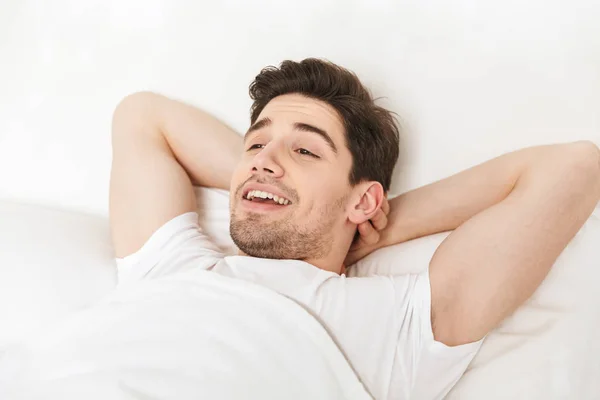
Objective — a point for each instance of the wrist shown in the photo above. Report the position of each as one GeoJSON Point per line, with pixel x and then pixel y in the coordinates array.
{"type": "Point", "coordinates": [399, 228]}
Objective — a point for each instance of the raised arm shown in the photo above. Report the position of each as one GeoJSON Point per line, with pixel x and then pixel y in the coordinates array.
{"type": "Point", "coordinates": [161, 147]}
{"type": "Point", "coordinates": [512, 217]}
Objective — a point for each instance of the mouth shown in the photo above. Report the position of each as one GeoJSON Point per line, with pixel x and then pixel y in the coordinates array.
{"type": "Point", "coordinates": [258, 200]}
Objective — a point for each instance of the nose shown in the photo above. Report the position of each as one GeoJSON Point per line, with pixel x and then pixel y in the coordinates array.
{"type": "Point", "coordinates": [266, 162]}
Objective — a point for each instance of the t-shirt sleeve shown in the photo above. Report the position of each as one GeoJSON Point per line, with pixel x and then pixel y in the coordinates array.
{"type": "Point", "coordinates": [384, 323]}
{"type": "Point", "coordinates": [176, 246]}
{"type": "Point", "coordinates": [435, 367]}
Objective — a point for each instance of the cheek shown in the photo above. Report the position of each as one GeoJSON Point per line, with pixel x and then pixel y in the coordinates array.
{"type": "Point", "coordinates": [322, 193]}
{"type": "Point", "coordinates": [234, 193]}
{"type": "Point", "coordinates": [239, 176]}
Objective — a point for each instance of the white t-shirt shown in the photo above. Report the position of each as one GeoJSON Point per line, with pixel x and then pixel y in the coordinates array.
{"type": "Point", "coordinates": [381, 324]}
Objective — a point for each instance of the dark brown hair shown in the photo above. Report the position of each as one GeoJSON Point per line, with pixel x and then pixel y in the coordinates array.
{"type": "Point", "coordinates": [372, 133]}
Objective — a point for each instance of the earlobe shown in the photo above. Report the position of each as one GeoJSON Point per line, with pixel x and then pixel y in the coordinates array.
{"type": "Point", "coordinates": [369, 201]}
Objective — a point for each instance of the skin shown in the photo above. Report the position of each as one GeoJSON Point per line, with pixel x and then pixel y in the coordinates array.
{"type": "Point", "coordinates": [319, 225]}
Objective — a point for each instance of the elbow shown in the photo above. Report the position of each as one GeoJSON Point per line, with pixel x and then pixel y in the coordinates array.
{"type": "Point", "coordinates": [584, 161]}
{"type": "Point", "coordinates": [133, 112]}
{"type": "Point", "coordinates": [134, 102]}
{"type": "Point", "coordinates": [585, 154]}
{"type": "Point", "coordinates": [137, 98]}
{"type": "Point", "coordinates": [589, 149]}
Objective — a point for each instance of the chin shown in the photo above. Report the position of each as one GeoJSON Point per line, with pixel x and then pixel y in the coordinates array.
{"type": "Point", "coordinates": [281, 239]}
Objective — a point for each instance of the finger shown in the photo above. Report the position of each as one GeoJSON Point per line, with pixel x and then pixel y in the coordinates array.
{"type": "Point", "coordinates": [350, 260]}
{"type": "Point", "coordinates": [379, 220]}
{"type": "Point", "coordinates": [357, 244]}
{"type": "Point", "coordinates": [385, 206]}
{"type": "Point", "coordinates": [354, 256]}
{"type": "Point", "coordinates": [368, 234]}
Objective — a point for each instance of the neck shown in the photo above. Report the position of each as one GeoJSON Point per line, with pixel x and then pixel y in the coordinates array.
{"type": "Point", "coordinates": [334, 261]}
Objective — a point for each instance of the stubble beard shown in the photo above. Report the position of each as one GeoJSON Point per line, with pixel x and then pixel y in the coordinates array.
{"type": "Point", "coordinates": [284, 238]}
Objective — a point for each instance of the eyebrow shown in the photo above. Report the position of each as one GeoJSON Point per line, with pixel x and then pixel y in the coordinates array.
{"type": "Point", "coordinates": [257, 125]}
{"type": "Point", "coordinates": [299, 126]}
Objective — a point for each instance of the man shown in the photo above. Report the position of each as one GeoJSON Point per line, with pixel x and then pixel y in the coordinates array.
{"type": "Point", "coordinates": [308, 183]}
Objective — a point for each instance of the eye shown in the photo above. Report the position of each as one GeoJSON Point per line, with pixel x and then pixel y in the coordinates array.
{"type": "Point", "coordinates": [256, 146]}
{"type": "Point", "coordinates": [305, 152]}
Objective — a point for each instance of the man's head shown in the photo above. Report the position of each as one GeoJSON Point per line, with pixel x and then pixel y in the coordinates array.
{"type": "Point", "coordinates": [318, 141]}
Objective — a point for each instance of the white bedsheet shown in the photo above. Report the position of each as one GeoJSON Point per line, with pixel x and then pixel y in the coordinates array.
{"type": "Point", "coordinates": [246, 342]}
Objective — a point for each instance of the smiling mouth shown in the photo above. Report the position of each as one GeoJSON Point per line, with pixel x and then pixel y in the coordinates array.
{"type": "Point", "coordinates": [258, 196]}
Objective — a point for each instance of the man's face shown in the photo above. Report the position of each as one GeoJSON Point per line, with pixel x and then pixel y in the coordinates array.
{"type": "Point", "coordinates": [294, 153]}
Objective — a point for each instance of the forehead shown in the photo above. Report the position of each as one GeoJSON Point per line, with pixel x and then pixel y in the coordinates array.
{"type": "Point", "coordinates": [291, 108]}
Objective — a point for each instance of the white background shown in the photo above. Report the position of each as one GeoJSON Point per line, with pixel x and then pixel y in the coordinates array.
{"type": "Point", "coordinates": [472, 79]}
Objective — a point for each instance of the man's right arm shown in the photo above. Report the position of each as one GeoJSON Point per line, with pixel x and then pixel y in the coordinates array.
{"type": "Point", "coordinates": [161, 148]}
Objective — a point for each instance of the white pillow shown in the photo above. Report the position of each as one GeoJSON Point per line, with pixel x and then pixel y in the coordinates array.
{"type": "Point", "coordinates": [52, 262]}
{"type": "Point", "coordinates": [548, 348]}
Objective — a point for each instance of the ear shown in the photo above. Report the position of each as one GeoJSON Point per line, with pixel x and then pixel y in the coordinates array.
{"type": "Point", "coordinates": [369, 196]}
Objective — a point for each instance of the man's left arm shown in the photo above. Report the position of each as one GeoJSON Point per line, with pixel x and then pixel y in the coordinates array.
{"type": "Point", "coordinates": [494, 261]}
{"type": "Point", "coordinates": [511, 218]}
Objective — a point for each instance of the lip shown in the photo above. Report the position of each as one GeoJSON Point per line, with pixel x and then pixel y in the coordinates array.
{"type": "Point", "coordinates": [262, 207]}
{"type": "Point", "coordinates": [263, 188]}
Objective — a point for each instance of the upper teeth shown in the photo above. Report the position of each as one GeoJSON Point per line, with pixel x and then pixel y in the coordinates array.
{"type": "Point", "coordinates": [266, 195]}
